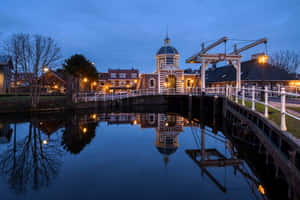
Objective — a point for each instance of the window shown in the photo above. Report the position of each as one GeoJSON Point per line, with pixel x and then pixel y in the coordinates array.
{"type": "Point", "coordinates": [169, 60]}
{"type": "Point", "coordinates": [102, 83]}
{"type": "Point", "coordinates": [113, 75]}
{"type": "Point", "coordinates": [112, 83]}
{"type": "Point", "coordinates": [122, 75]}
{"type": "Point", "coordinates": [151, 83]}
{"type": "Point", "coordinates": [188, 83]}
{"type": "Point", "coordinates": [123, 83]}
{"type": "Point", "coordinates": [133, 75]}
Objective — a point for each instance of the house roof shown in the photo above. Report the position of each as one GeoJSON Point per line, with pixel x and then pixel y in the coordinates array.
{"type": "Point", "coordinates": [250, 70]}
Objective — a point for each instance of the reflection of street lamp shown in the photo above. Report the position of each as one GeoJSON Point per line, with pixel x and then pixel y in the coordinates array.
{"type": "Point", "coordinates": [45, 142]}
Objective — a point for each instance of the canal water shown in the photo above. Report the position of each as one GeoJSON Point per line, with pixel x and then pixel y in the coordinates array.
{"type": "Point", "coordinates": [132, 156]}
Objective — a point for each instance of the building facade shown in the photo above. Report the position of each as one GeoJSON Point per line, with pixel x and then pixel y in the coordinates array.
{"type": "Point", "coordinates": [118, 80]}
{"type": "Point", "coordinates": [168, 77]}
{"type": "Point", "coordinates": [5, 73]}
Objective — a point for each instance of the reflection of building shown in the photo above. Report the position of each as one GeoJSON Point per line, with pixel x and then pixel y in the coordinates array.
{"type": "Point", "coordinates": [5, 67]}
{"type": "Point", "coordinates": [5, 133]}
{"type": "Point", "coordinates": [169, 127]}
{"type": "Point", "coordinates": [168, 76]}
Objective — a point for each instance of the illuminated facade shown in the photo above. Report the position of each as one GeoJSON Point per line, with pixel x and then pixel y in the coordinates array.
{"type": "Point", "coordinates": [168, 77]}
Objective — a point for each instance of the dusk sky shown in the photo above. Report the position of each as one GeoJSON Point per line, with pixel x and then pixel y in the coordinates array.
{"type": "Point", "coordinates": [126, 34]}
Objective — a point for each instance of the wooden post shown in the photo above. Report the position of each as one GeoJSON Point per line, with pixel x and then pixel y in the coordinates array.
{"type": "Point", "coordinates": [253, 98]}
{"type": "Point", "coordinates": [236, 95]}
{"type": "Point", "coordinates": [243, 96]}
{"type": "Point", "coordinates": [266, 102]}
{"type": "Point", "coordinates": [282, 110]}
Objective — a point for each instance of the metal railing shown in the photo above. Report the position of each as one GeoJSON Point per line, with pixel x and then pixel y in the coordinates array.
{"type": "Point", "coordinates": [261, 96]}
{"type": "Point", "coordinates": [252, 94]}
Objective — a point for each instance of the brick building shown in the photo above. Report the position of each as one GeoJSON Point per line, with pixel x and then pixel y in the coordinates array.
{"type": "Point", "coordinates": [118, 80]}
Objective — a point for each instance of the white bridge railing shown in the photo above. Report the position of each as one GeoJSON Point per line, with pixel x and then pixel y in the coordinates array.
{"type": "Point", "coordinates": [275, 98]}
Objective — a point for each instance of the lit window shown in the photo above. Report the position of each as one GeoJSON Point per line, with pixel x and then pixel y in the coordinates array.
{"type": "Point", "coordinates": [113, 75]}
{"type": "Point", "coordinates": [133, 75]}
{"type": "Point", "coordinates": [122, 75]}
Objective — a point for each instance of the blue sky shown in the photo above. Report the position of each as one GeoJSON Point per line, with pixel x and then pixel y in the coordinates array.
{"type": "Point", "coordinates": [126, 34]}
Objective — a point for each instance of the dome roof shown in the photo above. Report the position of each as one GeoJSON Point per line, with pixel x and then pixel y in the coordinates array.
{"type": "Point", "coordinates": [166, 150]}
{"type": "Point", "coordinates": [167, 50]}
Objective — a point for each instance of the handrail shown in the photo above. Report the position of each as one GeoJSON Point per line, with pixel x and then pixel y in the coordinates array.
{"type": "Point", "coordinates": [244, 93]}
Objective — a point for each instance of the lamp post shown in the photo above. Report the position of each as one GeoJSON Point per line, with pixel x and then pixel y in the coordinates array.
{"type": "Point", "coordinates": [45, 70]}
{"type": "Point", "coordinates": [262, 60]}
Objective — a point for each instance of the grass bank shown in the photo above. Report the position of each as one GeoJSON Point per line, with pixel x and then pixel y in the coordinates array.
{"type": "Point", "coordinates": [293, 125]}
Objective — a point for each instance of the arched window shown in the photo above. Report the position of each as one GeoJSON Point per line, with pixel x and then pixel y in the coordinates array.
{"type": "Point", "coordinates": [151, 83]}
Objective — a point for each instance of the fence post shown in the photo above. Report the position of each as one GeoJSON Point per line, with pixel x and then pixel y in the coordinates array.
{"type": "Point", "coordinates": [236, 95]}
{"type": "Point", "coordinates": [266, 102]}
{"type": "Point", "coordinates": [243, 95]}
{"type": "Point", "coordinates": [282, 110]}
{"type": "Point", "coordinates": [253, 98]}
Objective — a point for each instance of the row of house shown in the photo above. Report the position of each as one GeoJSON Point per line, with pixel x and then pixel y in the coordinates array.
{"type": "Point", "coordinates": [168, 76]}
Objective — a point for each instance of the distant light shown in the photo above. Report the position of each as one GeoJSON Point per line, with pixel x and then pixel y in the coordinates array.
{"type": "Point", "coordinates": [45, 69]}
{"type": "Point", "coordinates": [85, 80]}
{"type": "Point", "coordinates": [261, 189]}
{"type": "Point", "coordinates": [134, 122]}
{"type": "Point", "coordinates": [45, 142]}
{"type": "Point", "coordinates": [263, 59]}
{"type": "Point", "coordinates": [84, 130]}
{"type": "Point", "coordinates": [166, 124]}
{"type": "Point", "coordinates": [94, 83]}
{"type": "Point", "coordinates": [94, 116]}
{"type": "Point", "coordinates": [93, 63]}
{"type": "Point", "coordinates": [192, 81]}
{"type": "Point", "coordinates": [135, 81]}
{"type": "Point", "coordinates": [55, 86]}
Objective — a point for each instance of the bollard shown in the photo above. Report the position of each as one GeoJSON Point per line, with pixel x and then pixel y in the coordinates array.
{"type": "Point", "coordinates": [243, 95]}
{"type": "Point", "coordinates": [282, 111]}
{"type": "Point", "coordinates": [266, 102]}
{"type": "Point", "coordinates": [253, 98]}
{"type": "Point", "coordinates": [236, 95]}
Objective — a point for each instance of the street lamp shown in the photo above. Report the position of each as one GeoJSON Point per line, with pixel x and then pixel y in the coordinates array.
{"type": "Point", "coordinates": [85, 80]}
{"type": "Point", "coordinates": [262, 60]}
{"type": "Point", "coordinates": [45, 69]}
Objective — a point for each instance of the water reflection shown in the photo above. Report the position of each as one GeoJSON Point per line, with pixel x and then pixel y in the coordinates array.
{"type": "Point", "coordinates": [30, 162]}
{"type": "Point", "coordinates": [32, 159]}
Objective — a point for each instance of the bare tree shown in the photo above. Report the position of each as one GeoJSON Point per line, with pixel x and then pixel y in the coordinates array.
{"type": "Point", "coordinates": [30, 53]}
{"type": "Point", "coordinates": [287, 60]}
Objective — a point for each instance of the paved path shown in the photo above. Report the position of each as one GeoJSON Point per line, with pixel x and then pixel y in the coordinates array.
{"type": "Point", "coordinates": [275, 101]}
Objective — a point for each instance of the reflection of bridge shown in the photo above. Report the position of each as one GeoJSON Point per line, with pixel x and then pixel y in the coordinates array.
{"type": "Point", "coordinates": [206, 158]}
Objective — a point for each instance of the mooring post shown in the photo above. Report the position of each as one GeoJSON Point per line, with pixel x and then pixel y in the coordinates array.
{"type": "Point", "coordinates": [253, 98]}
{"type": "Point", "coordinates": [236, 95]}
{"type": "Point", "coordinates": [282, 110]}
{"type": "Point", "coordinates": [266, 102]}
{"type": "Point", "coordinates": [243, 95]}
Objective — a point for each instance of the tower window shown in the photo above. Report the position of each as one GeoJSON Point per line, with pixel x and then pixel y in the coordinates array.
{"type": "Point", "coordinates": [169, 60]}
{"type": "Point", "coordinates": [189, 83]}
{"type": "Point", "coordinates": [151, 83]}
